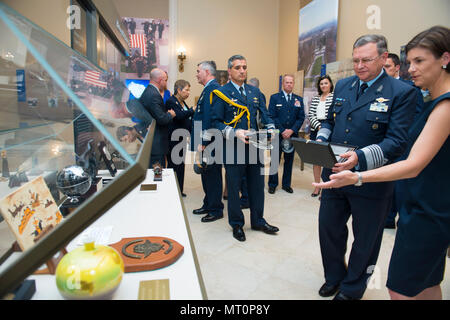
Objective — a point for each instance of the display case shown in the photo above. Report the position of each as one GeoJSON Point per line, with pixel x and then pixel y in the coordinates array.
{"type": "Point", "coordinates": [62, 119]}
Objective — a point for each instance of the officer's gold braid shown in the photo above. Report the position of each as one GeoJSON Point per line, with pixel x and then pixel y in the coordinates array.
{"type": "Point", "coordinates": [242, 109]}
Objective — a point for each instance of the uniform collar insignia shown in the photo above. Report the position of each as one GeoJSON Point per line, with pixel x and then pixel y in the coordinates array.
{"type": "Point", "coordinates": [380, 88]}
{"type": "Point", "coordinates": [354, 83]}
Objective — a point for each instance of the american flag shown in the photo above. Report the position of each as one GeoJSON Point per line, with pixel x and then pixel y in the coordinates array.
{"type": "Point", "coordinates": [139, 41]}
{"type": "Point", "coordinates": [93, 77]}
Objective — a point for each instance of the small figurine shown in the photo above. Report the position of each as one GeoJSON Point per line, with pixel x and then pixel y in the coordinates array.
{"type": "Point", "coordinates": [157, 172]}
{"type": "Point", "coordinates": [88, 160]}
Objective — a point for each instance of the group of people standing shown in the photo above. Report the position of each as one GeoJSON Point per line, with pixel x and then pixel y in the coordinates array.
{"type": "Point", "coordinates": [397, 137]}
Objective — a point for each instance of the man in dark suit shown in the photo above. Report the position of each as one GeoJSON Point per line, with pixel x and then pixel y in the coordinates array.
{"type": "Point", "coordinates": [392, 68]}
{"type": "Point", "coordinates": [212, 176]}
{"type": "Point", "coordinates": [234, 114]}
{"type": "Point", "coordinates": [287, 111]}
{"type": "Point", "coordinates": [373, 112]}
{"type": "Point", "coordinates": [153, 102]}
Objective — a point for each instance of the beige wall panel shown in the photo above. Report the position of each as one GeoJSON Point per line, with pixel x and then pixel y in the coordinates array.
{"type": "Point", "coordinates": [400, 21]}
{"type": "Point", "coordinates": [50, 15]}
{"type": "Point", "coordinates": [216, 30]}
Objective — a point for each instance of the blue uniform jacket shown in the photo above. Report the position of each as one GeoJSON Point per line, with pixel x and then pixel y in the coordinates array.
{"type": "Point", "coordinates": [287, 115]}
{"type": "Point", "coordinates": [223, 112]}
{"type": "Point", "coordinates": [202, 114]}
{"type": "Point", "coordinates": [377, 124]}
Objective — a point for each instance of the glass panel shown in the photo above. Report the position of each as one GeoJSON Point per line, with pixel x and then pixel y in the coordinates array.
{"type": "Point", "coordinates": [79, 35]}
{"type": "Point", "coordinates": [56, 110]}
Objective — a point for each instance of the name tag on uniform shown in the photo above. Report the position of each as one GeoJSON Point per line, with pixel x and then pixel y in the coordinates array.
{"type": "Point", "coordinates": [379, 105]}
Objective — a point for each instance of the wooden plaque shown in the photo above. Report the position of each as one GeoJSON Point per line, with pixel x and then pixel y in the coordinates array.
{"type": "Point", "coordinates": [148, 253]}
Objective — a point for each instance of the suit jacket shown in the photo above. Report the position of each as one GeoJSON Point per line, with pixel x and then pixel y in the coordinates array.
{"type": "Point", "coordinates": [182, 119]}
{"type": "Point", "coordinates": [223, 112]}
{"type": "Point", "coordinates": [377, 124]}
{"type": "Point", "coordinates": [153, 102]}
{"type": "Point", "coordinates": [287, 115]}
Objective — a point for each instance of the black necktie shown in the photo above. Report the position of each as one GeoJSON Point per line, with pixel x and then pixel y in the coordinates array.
{"type": "Point", "coordinates": [362, 89]}
{"type": "Point", "coordinates": [241, 90]}
{"type": "Point", "coordinates": [289, 97]}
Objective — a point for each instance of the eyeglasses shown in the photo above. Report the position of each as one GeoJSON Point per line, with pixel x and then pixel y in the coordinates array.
{"type": "Point", "coordinates": [364, 61]}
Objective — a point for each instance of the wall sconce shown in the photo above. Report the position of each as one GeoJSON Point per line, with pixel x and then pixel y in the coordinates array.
{"type": "Point", "coordinates": [181, 58]}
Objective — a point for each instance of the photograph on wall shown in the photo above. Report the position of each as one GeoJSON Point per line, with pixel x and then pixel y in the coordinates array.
{"type": "Point", "coordinates": [149, 44]}
{"type": "Point", "coordinates": [31, 212]}
{"type": "Point", "coordinates": [340, 69]}
{"type": "Point", "coordinates": [318, 22]}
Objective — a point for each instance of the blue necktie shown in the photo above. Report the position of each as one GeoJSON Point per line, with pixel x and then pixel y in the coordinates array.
{"type": "Point", "coordinates": [362, 89]}
{"type": "Point", "coordinates": [241, 90]}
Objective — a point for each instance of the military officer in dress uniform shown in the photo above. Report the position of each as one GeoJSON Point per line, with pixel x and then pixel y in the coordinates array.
{"type": "Point", "coordinates": [234, 109]}
{"type": "Point", "coordinates": [371, 111]}
{"type": "Point", "coordinates": [212, 176]}
{"type": "Point", "coordinates": [287, 111]}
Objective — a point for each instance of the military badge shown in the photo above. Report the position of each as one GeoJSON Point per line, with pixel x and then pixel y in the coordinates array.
{"type": "Point", "coordinates": [379, 105]}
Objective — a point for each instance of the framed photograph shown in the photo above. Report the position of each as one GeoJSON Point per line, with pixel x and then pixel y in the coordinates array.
{"type": "Point", "coordinates": [31, 212]}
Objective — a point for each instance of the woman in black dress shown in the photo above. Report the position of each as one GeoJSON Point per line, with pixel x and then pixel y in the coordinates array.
{"type": "Point", "coordinates": [182, 120]}
{"type": "Point", "coordinates": [417, 263]}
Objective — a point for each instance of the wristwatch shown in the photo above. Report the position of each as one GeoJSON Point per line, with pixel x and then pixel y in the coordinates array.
{"type": "Point", "coordinates": [359, 182]}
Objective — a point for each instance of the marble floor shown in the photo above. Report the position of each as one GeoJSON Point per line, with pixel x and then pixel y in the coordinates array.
{"type": "Point", "coordinates": [285, 266]}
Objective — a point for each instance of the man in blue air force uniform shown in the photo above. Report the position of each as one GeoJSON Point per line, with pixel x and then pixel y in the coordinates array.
{"type": "Point", "coordinates": [212, 176]}
{"type": "Point", "coordinates": [234, 114]}
{"type": "Point", "coordinates": [371, 111]}
{"type": "Point", "coordinates": [288, 113]}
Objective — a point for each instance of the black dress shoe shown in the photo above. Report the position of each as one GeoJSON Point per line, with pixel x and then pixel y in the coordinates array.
{"type": "Point", "coordinates": [315, 194]}
{"type": "Point", "coordinates": [288, 189]}
{"type": "Point", "coordinates": [267, 228]}
{"type": "Point", "coordinates": [271, 190]}
{"type": "Point", "coordinates": [389, 226]}
{"type": "Point", "coordinates": [211, 218]}
{"type": "Point", "coordinates": [328, 290]}
{"type": "Point", "coordinates": [200, 211]}
{"type": "Point", "coordinates": [341, 296]}
{"type": "Point", "coordinates": [183, 195]}
{"type": "Point", "coordinates": [238, 233]}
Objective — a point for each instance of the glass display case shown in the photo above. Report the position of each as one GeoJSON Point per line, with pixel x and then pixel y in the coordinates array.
{"type": "Point", "coordinates": [64, 122]}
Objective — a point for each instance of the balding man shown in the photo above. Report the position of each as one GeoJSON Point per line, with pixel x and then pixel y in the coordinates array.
{"type": "Point", "coordinates": [153, 102]}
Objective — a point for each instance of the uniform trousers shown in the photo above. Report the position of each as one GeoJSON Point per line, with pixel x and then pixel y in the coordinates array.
{"type": "Point", "coordinates": [368, 218]}
{"type": "Point", "coordinates": [255, 183]}
{"type": "Point", "coordinates": [212, 187]}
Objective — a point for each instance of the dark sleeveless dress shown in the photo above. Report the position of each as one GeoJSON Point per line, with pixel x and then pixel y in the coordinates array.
{"type": "Point", "coordinates": [423, 235]}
